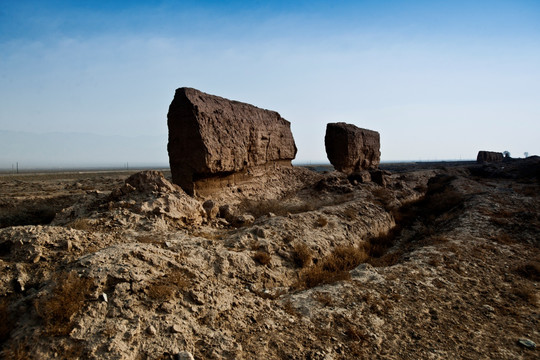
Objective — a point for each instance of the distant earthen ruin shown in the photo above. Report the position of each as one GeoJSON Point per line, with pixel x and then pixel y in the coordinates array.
{"type": "Point", "coordinates": [489, 156]}
{"type": "Point", "coordinates": [350, 148]}
{"type": "Point", "coordinates": [215, 142]}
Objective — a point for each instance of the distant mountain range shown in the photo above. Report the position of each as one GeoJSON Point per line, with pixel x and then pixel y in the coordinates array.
{"type": "Point", "coordinates": [76, 150]}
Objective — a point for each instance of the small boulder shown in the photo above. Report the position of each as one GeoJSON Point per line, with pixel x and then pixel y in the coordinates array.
{"type": "Point", "coordinates": [151, 330]}
{"type": "Point", "coordinates": [379, 177]}
{"type": "Point", "coordinates": [211, 209]}
{"type": "Point", "coordinates": [177, 328]}
{"type": "Point", "coordinates": [150, 181]}
{"type": "Point", "coordinates": [226, 212]}
{"type": "Point", "coordinates": [184, 355]}
{"type": "Point", "coordinates": [360, 177]}
{"type": "Point", "coordinates": [243, 220]}
{"type": "Point", "coordinates": [527, 343]}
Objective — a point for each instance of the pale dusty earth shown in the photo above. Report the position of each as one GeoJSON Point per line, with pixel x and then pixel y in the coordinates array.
{"type": "Point", "coordinates": [440, 263]}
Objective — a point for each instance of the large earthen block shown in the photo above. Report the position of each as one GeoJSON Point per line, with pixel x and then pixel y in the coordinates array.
{"type": "Point", "coordinates": [350, 148]}
{"type": "Point", "coordinates": [489, 156]}
{"type": "Point", "coordinates": [211, 137]}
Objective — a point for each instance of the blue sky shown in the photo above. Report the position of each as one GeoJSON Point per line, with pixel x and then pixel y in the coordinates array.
{"type": "Point", "coordinates": [438, 79]}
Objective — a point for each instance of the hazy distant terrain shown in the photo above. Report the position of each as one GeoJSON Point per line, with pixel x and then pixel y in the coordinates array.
{"type": "Point", "coordinates": [76, 150]}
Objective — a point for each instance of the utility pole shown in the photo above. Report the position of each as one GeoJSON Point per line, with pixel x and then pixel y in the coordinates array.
{"type": "Point", "coordinates": [17, 167]}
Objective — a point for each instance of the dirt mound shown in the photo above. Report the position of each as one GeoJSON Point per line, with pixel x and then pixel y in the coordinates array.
{"type": "Point", "coordinates": [147, 200]}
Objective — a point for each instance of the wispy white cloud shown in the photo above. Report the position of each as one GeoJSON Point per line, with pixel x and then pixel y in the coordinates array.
{"type": "Point", "coordinates": [436, 94]}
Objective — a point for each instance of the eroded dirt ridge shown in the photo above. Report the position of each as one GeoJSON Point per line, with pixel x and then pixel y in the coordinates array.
{"type": "Point", "coordinates": [439, 264]}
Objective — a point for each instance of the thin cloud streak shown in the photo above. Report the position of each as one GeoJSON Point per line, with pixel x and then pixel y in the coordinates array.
{"type": "Point", "coordinates": [432, 95]}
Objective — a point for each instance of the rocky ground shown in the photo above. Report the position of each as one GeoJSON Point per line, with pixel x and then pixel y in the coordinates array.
{"type": "Point", "coordinates": [435, 263]}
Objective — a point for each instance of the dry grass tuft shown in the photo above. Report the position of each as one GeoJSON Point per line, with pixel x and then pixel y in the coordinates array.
{"type": "Point", "coordinates": [210, 235]}
{"type": "Point", "coordinates": [109, 330]}
{"type": "Point", "coordinates": [350, 213]}
{"type": "Point", "coordinates": [503, 238]}
{"type": "Point", "coordinates": [530, 270]}
{"type": "Point", "coordinates": [284, 206]}
{"type": "Point", "coordinates": [65, 301]}
{"type": "Point", "coordinates": [530, 190]}
{"type": "Point", "coordinates": [270, 295]}
{"type": "Point", "coordinates": [423, 216]}
{"type": "Point", "coordinates": [288, 238]}
{"type": "Point", "coordinates": [324, 298]}
{"type": "Point", "coordinates": [321, 221]}
{"type": "Point", "coordinates": [151, 239]}
{"type": "Point", "coordinates": [525, 291]}
{"type": "Point", "coordinates": [7, 323]}
{"type": "Point", "coordinates": [387, 259]}
{"type": "Point", "coordinates": [436, 239]}
{"type": "Point", "coordinates": [379, 245]}
{"type": "Point", "coordinates": [332, 268]}
{"type": "Point", "coordinates": [317, 275]}
{"type": "Point", "coordinates": [354, 333]}
{"type": "Point", "coordinates": [165, 288]}
{"type": "Point", "coordinates": [302, 255]}
{"type": "Point", "coordinates": [345, 257]}
{"type": "Point", "coordinates": [147, 239]}
{"type": "Point", "coordinates": [82, 224]}
{"type": "Point", "coordinates": [384, 197]}
{"type": "Point", "coordinates": [276, 206]}
{"type": "Point", "coordinates": [290, 309]}
{"type": "Point", "coordinates": [262, 257]}
{"type": "Point", "coordinates": [16, 351]}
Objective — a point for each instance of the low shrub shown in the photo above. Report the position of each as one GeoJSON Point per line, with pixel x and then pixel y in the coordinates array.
{"type": "Point", "coordinates": [503, 238]}
{"type": "Point", "coordinates": [262, 257]}
{"type": "Point", "coordinates": [167, 286]}
{"type": "Point", "coordinates": [324, 298]}
{"type": "Point", "coordinates": [530, 270]}
{"type": "Point", "coordinates": [378, 245]}
{"type": "Point", "coordinates": [7, 323]}
{"type": "Point", "coordinates": [333, 267]}
{"type": "Point", "coordinates": [321, 221]}
{"type": "Point", "coordinates": [16, 351]}
{"type": "Point", "coordinates": [525, 291]}
{"type": "Point", "coordinates": [147, 239]}
{"type": "Point", "coordinates": [82, 224]}
{"type": "Point", "coordinates": [276, 206]}
{"type": "Point", "coordinates": [345, 257]}
{"type": "Point", "coordinates": [317, 275]}
{"type": "Point", "coordinates": [435, 206]}
{"type": "Point", "coordinates": [65, 301]}
{"type": "Point", "coordinates": [384, 197]}
{"type": "Point", "coordinates": [387, 259]}
{"type": "Point", "coordinates": [302, 255]}
{"type": "Point", "coordinates": [355, 333]}
{"type": "Point", "coordinates": [289, 308]}
{"type": "Point", "coordinates": [284, 206]}
{"type": "Point", "coordinates": [350, 213]}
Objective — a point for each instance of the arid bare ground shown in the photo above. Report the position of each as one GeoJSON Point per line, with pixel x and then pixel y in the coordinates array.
{"type": "Point", "coordinates": [439, 264]}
